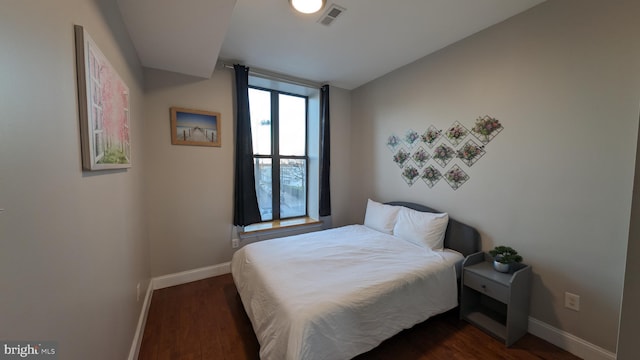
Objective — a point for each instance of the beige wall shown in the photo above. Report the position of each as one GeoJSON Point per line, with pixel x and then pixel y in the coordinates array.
{"type": "Point", "coordinates": [628, 346]}
{"type": "Point", "coordinates": [190, 189]}
{"type": "Point", "coordinates": [340, 104]}
{"type": "Point", "coordinates": [556, 184]}
{"type": "Point", "coordinates": [74, 244]}
{"type": "Point", "coordinates": [190, 192]}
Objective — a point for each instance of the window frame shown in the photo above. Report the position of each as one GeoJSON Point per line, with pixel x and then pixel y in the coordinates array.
{"type": "Point", "coordinates": [275, 156]}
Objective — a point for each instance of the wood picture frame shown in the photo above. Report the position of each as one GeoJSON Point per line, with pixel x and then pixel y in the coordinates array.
{"type": "Point", "coordinates": [195, 127]}
{"type": "Point", "coordinates": [103, 107]}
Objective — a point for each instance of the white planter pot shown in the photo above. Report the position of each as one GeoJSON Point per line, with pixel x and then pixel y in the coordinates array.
{"type": "Point", "coordinates": [498, 266]}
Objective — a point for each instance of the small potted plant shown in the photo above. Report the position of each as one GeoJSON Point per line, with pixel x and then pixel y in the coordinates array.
{"type": "Point", "coordinates": [504, 257]}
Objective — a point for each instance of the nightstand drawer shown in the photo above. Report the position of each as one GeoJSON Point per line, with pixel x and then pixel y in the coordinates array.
{"type": "Point", "coordinates": [487, 287]}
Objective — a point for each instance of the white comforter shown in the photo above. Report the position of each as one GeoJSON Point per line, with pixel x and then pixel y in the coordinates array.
{"type": "Point", "coordinates": [337, 293]}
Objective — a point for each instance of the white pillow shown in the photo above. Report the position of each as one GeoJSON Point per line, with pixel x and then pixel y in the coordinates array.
{"type": "Point", "coordinates": [422, 228]}
{"type": "Point", "coordinates": [381, 217]}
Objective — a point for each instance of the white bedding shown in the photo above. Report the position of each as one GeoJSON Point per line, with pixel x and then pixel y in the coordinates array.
{"type": "Point", "coordinates": [337, 293]}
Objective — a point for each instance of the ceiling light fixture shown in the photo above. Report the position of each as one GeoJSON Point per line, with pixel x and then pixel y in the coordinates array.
{"type": "Point", "coordinates": [307, 6]}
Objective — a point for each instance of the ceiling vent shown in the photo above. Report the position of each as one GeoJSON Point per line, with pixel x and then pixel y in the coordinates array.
{"type": "Point", "coordinates": [331, 14]}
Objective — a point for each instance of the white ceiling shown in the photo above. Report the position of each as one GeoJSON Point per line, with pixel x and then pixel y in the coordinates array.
{"type": "Point", "coordinates": [181, 36]}
{"type": "Point", "coordinates": [370, 39]}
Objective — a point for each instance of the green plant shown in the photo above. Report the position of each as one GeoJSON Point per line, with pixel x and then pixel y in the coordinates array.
{"type": "Point", "coordinates": [113, 156]}
{"type": "Point", "coordinates": [505, 255]}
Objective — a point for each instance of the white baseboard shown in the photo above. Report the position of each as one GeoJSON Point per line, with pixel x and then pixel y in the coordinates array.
{"type": "Point", "coordinates": [142, 320]}
{"type": "Point", "coordinates": [571, 343]}
{"type": "Point", "coordinates": [184, 277]}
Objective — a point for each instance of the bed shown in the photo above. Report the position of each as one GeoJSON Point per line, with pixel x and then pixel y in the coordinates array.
{"type": "Point", "coordinates": [337, 293]}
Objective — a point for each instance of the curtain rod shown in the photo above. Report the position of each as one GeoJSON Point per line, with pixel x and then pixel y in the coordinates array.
{"type": "Point", "coordinates": [278, 77]}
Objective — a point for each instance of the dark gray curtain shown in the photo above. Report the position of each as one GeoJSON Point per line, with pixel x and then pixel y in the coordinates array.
{"type": "Point", "coordinates": [325, 151]}
{"type": "Point", "coordinates": [246, 210]}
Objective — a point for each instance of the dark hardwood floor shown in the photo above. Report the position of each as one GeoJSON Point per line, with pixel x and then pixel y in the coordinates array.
{"type": "Point", "coordinates": [205, 320]}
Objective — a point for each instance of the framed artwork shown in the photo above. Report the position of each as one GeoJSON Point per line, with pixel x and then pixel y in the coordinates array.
{"type": "Point", "coordinates": [195, 127]}
{"type": "Point", "coordinates": [103, 102]}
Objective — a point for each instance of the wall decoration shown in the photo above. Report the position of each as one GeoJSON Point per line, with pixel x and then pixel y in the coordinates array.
{"type": "Point", "coordinates": [411, 138]}
{"type": "Point", "coordinates": [443, 154]}
{"type": "Point", "coordinates": [103, 102]}
{"type": "Point", "coordinates": [470, 152]}
{"type": "Point", "coordinates": [195, 127]}
{"type": "Point", "coordinates": [410, 174]}
{"type": "Point", "coordinates": [420, 156]}
{"type": "Point", "coordinates": [486, 128]}
{"type": "Point", "coordinates": [401, 157]}
{"type": "Point", "coordinates": [431, 175]}
{"type": "Point", "coordinates": [393, 142]}
{"type": "Point", "coordinates": [468, 149]}
{"type": "Point", "coordinates": [431, 136]}
{"type": "Point", "coordinates": [456, 177]}
{"type": "Point", "coordinates": [456, 133]}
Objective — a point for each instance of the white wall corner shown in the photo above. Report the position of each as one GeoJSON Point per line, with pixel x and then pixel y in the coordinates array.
{"type": "Point", "coordinates": [142, 320]}
{"type": "Point", "coordinates": [569, 342]}
{"type": "Point", "coordinates": [184, 277]}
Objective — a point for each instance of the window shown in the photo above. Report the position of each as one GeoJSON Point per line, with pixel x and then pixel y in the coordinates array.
{"type": "Point", "coordinates": [279, 134]}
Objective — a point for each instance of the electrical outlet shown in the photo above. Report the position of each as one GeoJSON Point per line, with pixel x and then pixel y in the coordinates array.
{"type": "Point", "coordinates": [138, 292]}
{"type": "Point", "coordinates": [235, 243]}
{"type": "Point", "coordinates": [572, 301]}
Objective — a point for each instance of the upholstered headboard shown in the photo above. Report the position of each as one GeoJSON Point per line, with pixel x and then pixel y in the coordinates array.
{"type": "Point", "coordinates": [459, 237]}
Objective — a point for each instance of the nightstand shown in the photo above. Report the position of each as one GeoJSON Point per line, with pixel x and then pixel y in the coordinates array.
{"type": "Point", "coordinates": [496, 302]}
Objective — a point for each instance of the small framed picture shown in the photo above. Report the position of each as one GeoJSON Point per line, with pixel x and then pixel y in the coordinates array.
{"type": "Point", "coordinates": [195, 127]}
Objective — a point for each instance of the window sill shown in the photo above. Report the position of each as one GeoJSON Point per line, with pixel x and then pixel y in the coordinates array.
{"type": "Point", "coordinates": [279, 224]}
{"type": "Point", "coordinates": [277, 229]}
